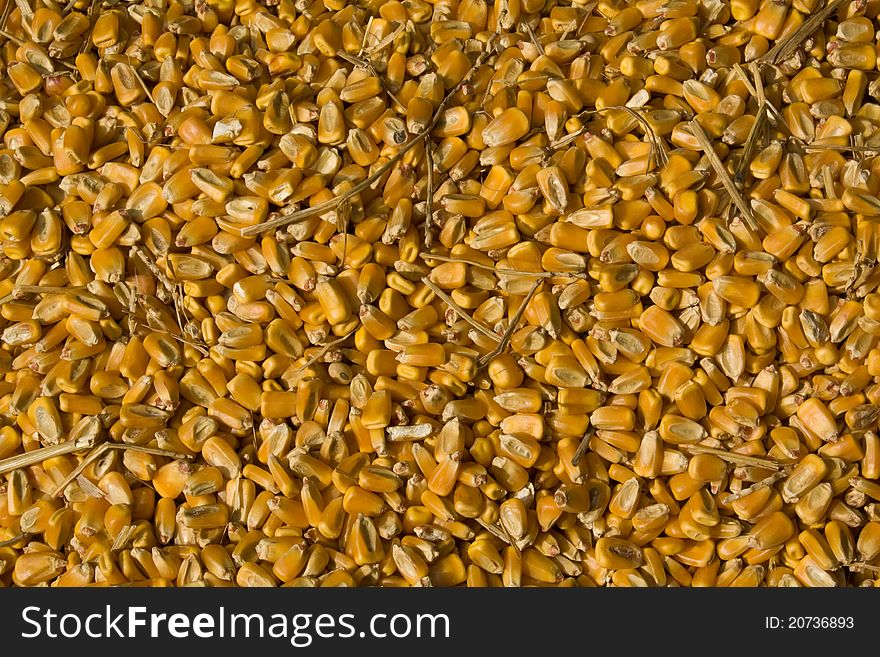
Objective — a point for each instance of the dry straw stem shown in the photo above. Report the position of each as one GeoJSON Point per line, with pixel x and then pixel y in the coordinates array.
{"type": "Point", "coordinates": [15, 539]}
{"type": "Point", "coordinates": [4, 14]}
{"type": "Point", "coordinates": [723, 176]}
{"type": "Point", "coordinates": [429, 194]}
{"type": "Point", "coordinates": [15, 40]}
{"type": "Point", "coordinates": [324, 349]}
{"type": "Point", "coordinates": [764, 483]}
{"type": "Point", "coordinates": [514, 322]}
{"type": "Point", "coordinates": [88, 487]}
{"type": "Point", "coordinates": [26, 10]}
{"type": "Point", "coordinates": [20, 291]}
{"type": "Point", "coordinates": [105, 447]}
{"type": "Point", "coordinates": [504, 271]}
{"type": "Point", "coordinates": [155, 451]}
{"type": "Point", "coordinates": [788, 45]}
{"type": "Point", "coordinates": [581, 450]}
{"type": "Point", "coordinates": [828, 181]}
{"type": "Point", "coordinates": [733, 457]}
{"type": "Point", "coordinates": [200, 348]}
{"type": "Point", "coordinates": [73, 474]}
{"type": "Point", "coordinates": [533, 38]}
{"type": "Point", "coordinates": [758, 94]}
{"type": "Point", "coordinates": [41, 454]}
{"type": "Point", "coordinates": [658, 148]}
{"type": "Point", "coordinates": [511, 541]}
{"type": "Point", "coordinates": [148, 261]}
{"type": "Point", "coordinates": [368, 182]}
{"type": "Point", "coordinates": [123, 537]}
{"type": "Point", "coordinates": [387, 40]}
{"type": "Point", "coordinates": [361, 63]}
{"type": "Point", "coordinates": [461, 312]}
{"type": "Point", "coordinates": [587, 9]}
{"type": "Point", "coordinates": [842, 147]}
{"type": "Point", "coordinates": [751, 143]}
{"type": "Point", "coordinates": [94, 5]}
{"type": "Point", "coordinates": [741, 74]}
{"type": "Point", "coordinates": [169, 286]}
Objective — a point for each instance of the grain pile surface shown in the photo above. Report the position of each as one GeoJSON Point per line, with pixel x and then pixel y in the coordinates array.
{"type": "Point", "coordinates": [409, 293]}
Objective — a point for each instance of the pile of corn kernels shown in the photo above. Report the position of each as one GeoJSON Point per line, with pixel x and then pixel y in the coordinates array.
{"type": "Point", "coordinates": [462, 292]}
